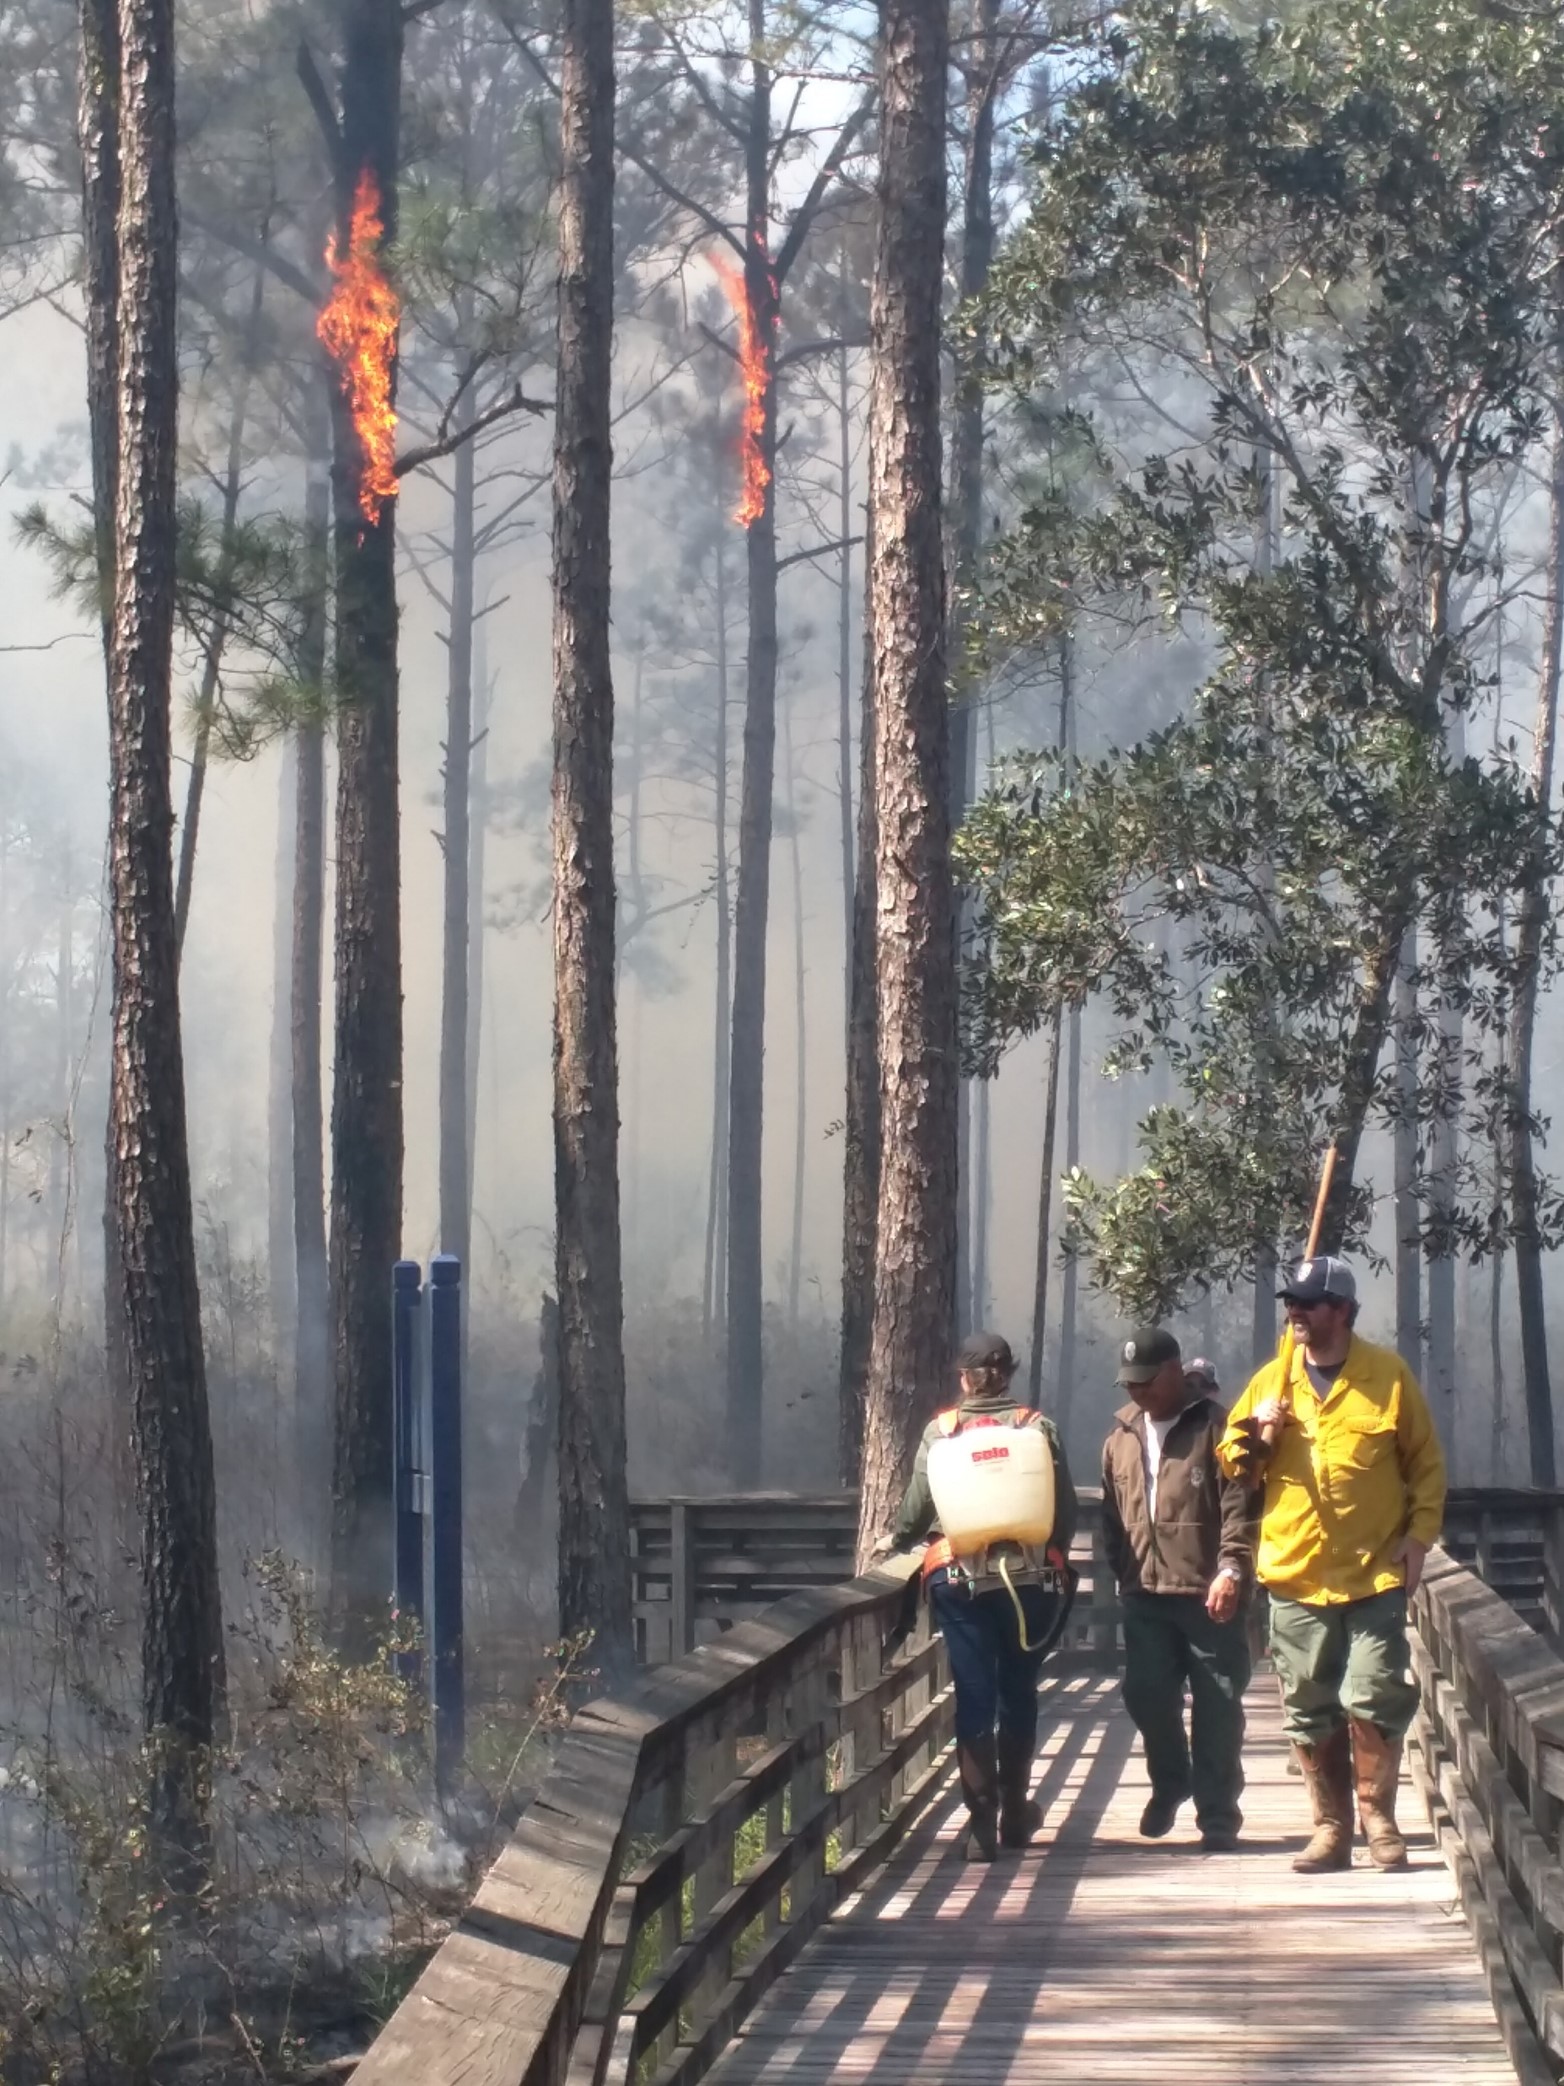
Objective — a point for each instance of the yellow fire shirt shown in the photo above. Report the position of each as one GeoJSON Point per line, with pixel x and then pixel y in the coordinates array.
{"type": "Point", "coordinates": [1351, 1474]}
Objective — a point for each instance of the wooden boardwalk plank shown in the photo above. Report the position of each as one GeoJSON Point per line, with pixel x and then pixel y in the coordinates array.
{"type": "Point", "coordinates": [1101, 1959]}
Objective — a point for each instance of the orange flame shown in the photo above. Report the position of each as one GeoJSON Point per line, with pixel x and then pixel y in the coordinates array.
{"type": "Point", "coordinates": [755, 369]}
{"type": "Point", "coordinates": [358, 329]}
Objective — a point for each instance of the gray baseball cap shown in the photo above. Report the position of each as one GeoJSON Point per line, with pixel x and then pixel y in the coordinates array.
{"type": "Point", "coordinates": [1323, 1279]}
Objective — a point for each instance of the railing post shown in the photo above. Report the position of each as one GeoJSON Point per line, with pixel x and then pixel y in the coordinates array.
{"type": "Point", "coordinates": [1553, 1569]}
{"type": "Point", "coordinates": [445, 1432]}
{"type": "Point", "coordinates": [407, 1475]}
{"type": "Point", "coordinates": [681, 1579]}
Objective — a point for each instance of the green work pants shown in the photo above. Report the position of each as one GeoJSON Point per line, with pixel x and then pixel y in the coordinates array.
{"type": "Point", "coordinates": [1342, 1659]}
{"type": "Point", "coordinates": [1170, 1644]}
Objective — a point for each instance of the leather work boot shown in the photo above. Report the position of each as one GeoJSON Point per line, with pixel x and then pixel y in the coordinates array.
{"type": "Point", "coordinates": [1019, 1815]}
{"type": "Point", "coordinates": [1377, 1759]}
{"type": "Point", "coordinates": [979, 1772]}
{"type": "Point", "coordinates": [1327, 1774]}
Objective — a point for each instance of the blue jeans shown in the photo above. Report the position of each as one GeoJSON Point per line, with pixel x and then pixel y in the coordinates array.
{"type": "Point", "coordinates": [995, 1680]}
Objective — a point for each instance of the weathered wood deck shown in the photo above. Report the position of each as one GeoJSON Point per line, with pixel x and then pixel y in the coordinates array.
{"type": "Point", "coordinates": [1101, 1959]}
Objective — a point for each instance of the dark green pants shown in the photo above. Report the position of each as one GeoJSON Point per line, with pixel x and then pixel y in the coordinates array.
{"type": "Point", "coordinates": [1342, 1659]}
{"type": "Point", "coordinates": [1170, 1645]}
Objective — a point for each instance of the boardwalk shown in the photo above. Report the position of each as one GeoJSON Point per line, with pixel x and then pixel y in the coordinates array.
{"type": "Point", "coordinates": [1100, 1959]}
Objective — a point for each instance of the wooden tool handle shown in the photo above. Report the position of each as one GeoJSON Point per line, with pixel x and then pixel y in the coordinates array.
{"type": "Point", "coordinates": [1272, 1428]}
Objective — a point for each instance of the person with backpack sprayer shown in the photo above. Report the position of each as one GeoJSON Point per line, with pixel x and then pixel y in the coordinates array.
{"type": "Point", "coordinates": [1340, 1436]}
{"type": "Point", "coordinates": [992, 1473]}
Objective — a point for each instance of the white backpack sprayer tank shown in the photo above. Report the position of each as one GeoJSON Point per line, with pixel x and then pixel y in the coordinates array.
{"type": "Point", "coordinates": [993, 1485]}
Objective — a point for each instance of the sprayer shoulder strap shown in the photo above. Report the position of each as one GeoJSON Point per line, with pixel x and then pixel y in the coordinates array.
{"type": "Point", "coordinates": [953, 1419]}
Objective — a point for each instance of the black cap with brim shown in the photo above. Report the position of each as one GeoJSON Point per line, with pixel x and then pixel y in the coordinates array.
{"type": "Point", "coordinates": [1148, 1349]}
{"type": "Point", "coordinates": [986, 1351]}
{"type": "Point", "coordinates": [1321, 1280]}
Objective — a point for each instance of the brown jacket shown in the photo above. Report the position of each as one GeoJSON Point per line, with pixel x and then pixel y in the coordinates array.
{"type": "Point", "coordinates": [1204, 1520]}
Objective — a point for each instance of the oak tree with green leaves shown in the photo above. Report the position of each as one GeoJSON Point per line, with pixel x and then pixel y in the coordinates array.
{"type": "Point", "coordinates": [1333, 242]}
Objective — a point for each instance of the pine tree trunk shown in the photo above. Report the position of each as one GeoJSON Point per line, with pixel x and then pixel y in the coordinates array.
{"type": "Point", "coordinates": [1409, 1223]}
{"type": "Point", "coordinates": [1535, 908]}
{"type": "Point", "coordinates": [280, 1271]}
{"type": "Point", "coordinates": [98, 129]}
{"type": "Point", "coordinates": [714, 1283]}
{"type": "Point", "coordinates": [366, 1100]}
{"type": "Point", "coordinates": [746, 1285]}
{"type": "Point", "coordinates": [915, 1237]}
{"type": "Point", "coordinates": [1070, 1285]}
{"type": "Point", "coordinates": [60, 1197]}
{"type": "Point", "coordinates": [594, 1562]}
{"type": "Point", "coordinates": [181, 1640]}
{"type": "Point", "coordinates": [217, 636]}
{"type": "Point", "coordinates": [312, 1296]}
{"type": "Point", "coordinates": [966, 537]}
{"type": "Point", "coordinates": [455, 1156]}
{"type": "Point", "coordinates": [1045, 1196]}
{"type": "Point", "coordinates": [861, 1111]}
{"type": "Point", "coordinates": [844, 663]}
{"type": "Point", "coordinates": [800, 1034]}
{"type": "Point", "coordinates": [477, 836]}
{"type": "Point", "coordinates": [1444, 1194]}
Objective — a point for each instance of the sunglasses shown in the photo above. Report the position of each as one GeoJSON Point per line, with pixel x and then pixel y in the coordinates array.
{"type": "Point", "coordinates": [1312, 1303]}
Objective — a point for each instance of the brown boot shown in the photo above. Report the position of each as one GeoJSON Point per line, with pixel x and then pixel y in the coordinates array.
{"type": "Point", "coordinates": [1019, 1815]}
{"type": "Point", "coordinates": [979, 1772]}
{"type": "Point", "coordinates": [1327, 1774]}
{"type": "Point", "coordinates": [1377, 1759]}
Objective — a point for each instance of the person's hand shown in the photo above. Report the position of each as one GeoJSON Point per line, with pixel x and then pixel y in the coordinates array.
{"type": "Point", "coordinates": [1244, 1453]}
{"type": "Point", "coordinates": [883, 1547]}
{"type": "Point", "coordinates": [1272, 1413]}
{"type": "Point", "coordinates": [1410, 1552]}
{"type": "Point", "coordinates": [1222, 1597]}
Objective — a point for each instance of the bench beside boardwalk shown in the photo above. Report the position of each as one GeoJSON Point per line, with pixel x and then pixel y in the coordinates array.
{"type": "Point", "coordinates": [745, 1863]}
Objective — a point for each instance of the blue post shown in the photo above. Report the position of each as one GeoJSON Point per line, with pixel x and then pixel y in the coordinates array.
{"type": "Point", "coordinates": [406, 1328]}
{"type": "Point", "coordinates": [445, 1441]}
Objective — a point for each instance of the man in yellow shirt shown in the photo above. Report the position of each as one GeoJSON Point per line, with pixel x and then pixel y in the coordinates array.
{"type": "Point", "coordinates": [1354, 1496]}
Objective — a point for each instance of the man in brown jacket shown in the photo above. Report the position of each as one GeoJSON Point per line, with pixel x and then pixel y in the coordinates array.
{"type": "Point", "coordinates": [1180, 1540]}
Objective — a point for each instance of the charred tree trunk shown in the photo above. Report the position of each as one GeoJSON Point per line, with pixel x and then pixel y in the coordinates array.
{"type": "Point", "coordinates": [366, 1099]}
{"type": "Point", "coordinates": [746, 1353]}
{"type": "Point", "coordinates": [714, 1285]}
{"type": "Point", "coordinates": [594, 1562]}
{"type": "Point", "coordinates": [861, 1112]}
{"type": "Point", "coordinates": [181, 1635]}
{"type": "Point", "coordinates": [915, 1238]}
{"type": "Point", "coordinates": [456, 842]}
{"type": "Point", "coordinates": [312, 1297]}
{"type": "Point", "coordinates": [1409, 1226]}
{"type": "Point", "coordinates": [1535, 907]}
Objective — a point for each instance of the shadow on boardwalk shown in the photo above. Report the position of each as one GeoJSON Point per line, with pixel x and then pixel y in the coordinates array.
{"type": "Point", "coordinates": [1100, 1959]}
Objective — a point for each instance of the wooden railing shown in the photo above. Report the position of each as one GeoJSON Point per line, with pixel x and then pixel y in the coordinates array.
{"type": "Point", "coordinates": [692, 1834]}
{"type": "Point", "coordinates": [701, 1564]}
{"type": "Point", "coordinates": [1487, 1755]}
{"type": "Point", "coordinates": [698, 1565]}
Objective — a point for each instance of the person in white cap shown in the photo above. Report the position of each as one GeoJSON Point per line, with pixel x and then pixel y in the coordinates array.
{"type": "Point", "coordinates": [1354, 1495]}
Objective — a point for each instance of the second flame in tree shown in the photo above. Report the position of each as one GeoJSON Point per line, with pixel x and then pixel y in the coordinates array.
{"type": "Point", "coordinates": [358, 329]}
{"type": "Point", "coordinates": [755, 351]}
